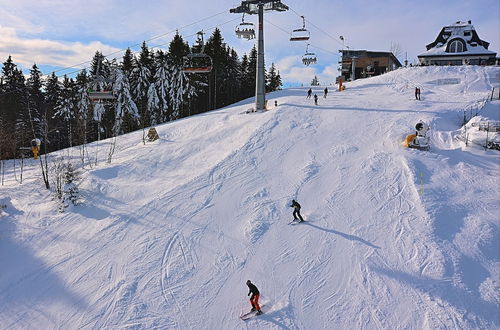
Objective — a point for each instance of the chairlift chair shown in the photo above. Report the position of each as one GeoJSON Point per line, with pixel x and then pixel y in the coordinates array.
{"type": "Point", "coordinates": [197, 62]}
{"type": "Point", "coordinates": [99, 96]}
{"type": "Point", "coordinates": [245, 30]}
{"type": "Point", "coordinates": [309, 58]}
{"type": "Point", "coordinates": [301, 34]}
{"type": "Point", "coordinates": [100, 82]}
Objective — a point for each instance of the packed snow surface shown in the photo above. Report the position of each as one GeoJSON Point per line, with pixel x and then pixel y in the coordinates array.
{"type": "Point", "coordinates": [169, 231]}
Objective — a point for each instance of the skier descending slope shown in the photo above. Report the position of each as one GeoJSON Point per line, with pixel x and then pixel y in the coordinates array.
{"type": "Point", "coordinates": [296, 211]}
{"type": "Point", "coordinates": [254, 299]}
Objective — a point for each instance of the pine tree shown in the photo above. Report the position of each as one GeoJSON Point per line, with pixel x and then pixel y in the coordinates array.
{"type": "Point", "coordinates": [141, 80]}
{"type": "Point", "coordinates": [13, 107]}
{"type": "Point", "coordinates": [126, 113]}
{"type": "Point", "coordinates": [180, 89]}
{"type": "Point", "coordinates": [232, 77]}
{"type": "Point", "coordinates": [247, 89]}
{"type": "Point", "coordinates": [53, 127]}
{"type": "Point", "coordinates": [216, 50]}
{"type": "Point", "coordinates": [82, 110]}
{"type": "Point", "coordinates": [65, 109]}
{"type": "Point", "coordinates": [251, 74]}
{"type": "Point", "coordinates": [273, 79]}
{"type": "Point", "coordinates": [177, 50]}
{"type": "Point", "coordinates": [127, 65]}
{"type": "Point", "coordinates": [24, 128]}
{"type": "Point", "coordinates": [36, 101]}
{"type": "Point", "coordinates": [162, 85]}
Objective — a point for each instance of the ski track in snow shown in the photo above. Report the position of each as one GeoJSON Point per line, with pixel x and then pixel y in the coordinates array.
{"type": "Point", "coordinates": [172, 230]}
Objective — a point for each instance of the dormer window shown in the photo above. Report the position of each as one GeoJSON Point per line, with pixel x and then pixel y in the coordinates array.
{"type": "Point", "coordinates": [467, 34]}
{"type": "Point", "coordinates": [456, 46]}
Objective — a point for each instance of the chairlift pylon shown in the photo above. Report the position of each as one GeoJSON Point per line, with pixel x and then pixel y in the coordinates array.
{"type": "Point", "coordinates": [301, 34]}
{"type": "Point", "coordinates": [309, 57]}
{"type": "Point", "coordinates": [198, 62]}
{"type": "Point", "coordinates": [245, 29]}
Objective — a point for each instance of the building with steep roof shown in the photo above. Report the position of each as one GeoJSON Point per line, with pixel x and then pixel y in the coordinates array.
{"type": "Point", "coordinates": [458, 44]}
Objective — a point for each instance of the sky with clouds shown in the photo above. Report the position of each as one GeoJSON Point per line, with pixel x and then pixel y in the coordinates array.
{"type": "Point", "coordinates": [57, 34]}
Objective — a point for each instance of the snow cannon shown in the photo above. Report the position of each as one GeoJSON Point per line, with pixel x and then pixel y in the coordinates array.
{"type": "Point", "coordinates": [419, 140]}
{"type": "Point", "coordinates": [35, 147]}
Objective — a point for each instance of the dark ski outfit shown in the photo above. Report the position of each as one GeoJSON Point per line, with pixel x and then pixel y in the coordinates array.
{"type": "Point", "coordinates": [309, 93]}
{"type": "Point", "coordinates": [315, 99]}
{"type": "Point", "coordinates": [254, 299]}
{"type": "Point", "coordinates": [417, 93]}
{"type": "Point", "coordinates": [296, 211]}
{"type": "Point", "coordinates": [326, 92]}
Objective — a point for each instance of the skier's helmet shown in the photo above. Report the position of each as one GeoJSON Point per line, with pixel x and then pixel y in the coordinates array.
{"type": "Point", "coordinates": [248, 282]}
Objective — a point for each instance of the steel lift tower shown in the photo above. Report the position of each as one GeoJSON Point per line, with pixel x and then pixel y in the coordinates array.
{"type": "Point", "coordinates": [251, 7]}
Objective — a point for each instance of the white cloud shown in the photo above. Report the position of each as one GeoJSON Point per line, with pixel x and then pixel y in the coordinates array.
{"type": "Point", "coordinates": [56, 26]}
{"type": "Point", "coordinates": [26, 51]}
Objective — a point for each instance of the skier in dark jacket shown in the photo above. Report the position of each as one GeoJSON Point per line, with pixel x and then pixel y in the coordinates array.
{"type": "Point", "coordinates": [296, 211]}
{"type": "Point", "coordinates": [254, 299]}
{"type": "Point", "coordinates": [326, 92]}
{"type": "Point", "coordinates": [315, 99]}
{"type": "Point", "coordinates": [309, 93]}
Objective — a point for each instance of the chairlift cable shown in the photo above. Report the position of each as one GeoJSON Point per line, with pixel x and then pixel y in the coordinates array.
{"type": "Point", "coordinates": [288, 33]}
{"type": "Point", "coordinates": [105, 56]}
{"type": "Point", "coordinates": [318, 28]}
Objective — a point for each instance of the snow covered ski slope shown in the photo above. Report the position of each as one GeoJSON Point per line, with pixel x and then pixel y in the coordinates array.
{"type": "Point", "coordinates": [170, 231]}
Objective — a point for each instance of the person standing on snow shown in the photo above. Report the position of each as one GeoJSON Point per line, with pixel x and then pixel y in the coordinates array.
{"type": "Point", "coordinates": [309, 93]}
{"type": "Point", "coordinates": [254, 299]}
{"type": "Point", "coordinates": [296, 211]}
{"type": "Point", "coordinates": [315, 99]}
{"type": "Point", "coordinates": [417, 93]}
{"type": "Point", "coordinates": [326, 92]}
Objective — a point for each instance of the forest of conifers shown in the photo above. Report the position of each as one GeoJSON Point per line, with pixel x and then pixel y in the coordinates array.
{"type": "Point", "coordinates": [148, 88]}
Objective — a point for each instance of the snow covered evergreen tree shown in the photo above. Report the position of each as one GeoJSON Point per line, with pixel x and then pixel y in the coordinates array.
{"type": "Point", "coordinates": [13, 105]}
{"type": "Point", "coordinates": [180, 89]}
{"type": "Point", "coordinates": [52, 92]}
{"type": "Point", "coordinates": [36, 101]}
{"type": "Point", "coordinates": [141, 81]}
{"type": "Point", "coordinates": [65, 108]}
{"type": "Point", "coordinates": [162, 80]}
{"type": "Point", "coordinates": [125, 107]}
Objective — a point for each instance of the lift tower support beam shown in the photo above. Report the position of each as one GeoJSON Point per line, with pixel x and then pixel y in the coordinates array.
{"type": "Point", "coordinates": [258, 7]}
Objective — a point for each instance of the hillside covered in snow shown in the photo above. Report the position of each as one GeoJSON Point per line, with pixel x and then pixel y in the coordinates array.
{"type": "Point", "coordinates": [168, 233]}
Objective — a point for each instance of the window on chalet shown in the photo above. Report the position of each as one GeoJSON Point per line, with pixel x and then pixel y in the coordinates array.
{"type": "Point", "coordinates": [467, 33]}
{"type": "Point", "coordinates": [456, 47]}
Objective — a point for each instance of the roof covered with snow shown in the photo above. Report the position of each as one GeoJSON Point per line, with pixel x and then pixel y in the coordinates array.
{"type": "Point", "coordinates": [458, 39]}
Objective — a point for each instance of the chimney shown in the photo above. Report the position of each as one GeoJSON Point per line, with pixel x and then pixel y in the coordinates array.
{"type": "Point", "coordinates": [470, 22]}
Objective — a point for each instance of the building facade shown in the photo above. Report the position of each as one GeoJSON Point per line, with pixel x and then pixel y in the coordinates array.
{"type": "Point", "coordinates": [458, 44]}
{"type": "Point", "coordinates": [366, 63]}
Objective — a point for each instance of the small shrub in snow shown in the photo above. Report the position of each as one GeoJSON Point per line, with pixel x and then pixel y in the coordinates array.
{"type": "Point", "coordinates": [65, 178]}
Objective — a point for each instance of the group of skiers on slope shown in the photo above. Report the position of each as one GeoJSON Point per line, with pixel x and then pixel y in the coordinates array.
{"type": "Point", "coordinates": [309, 93]}
{"type": "Point", "coordinates": [254, 298]}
